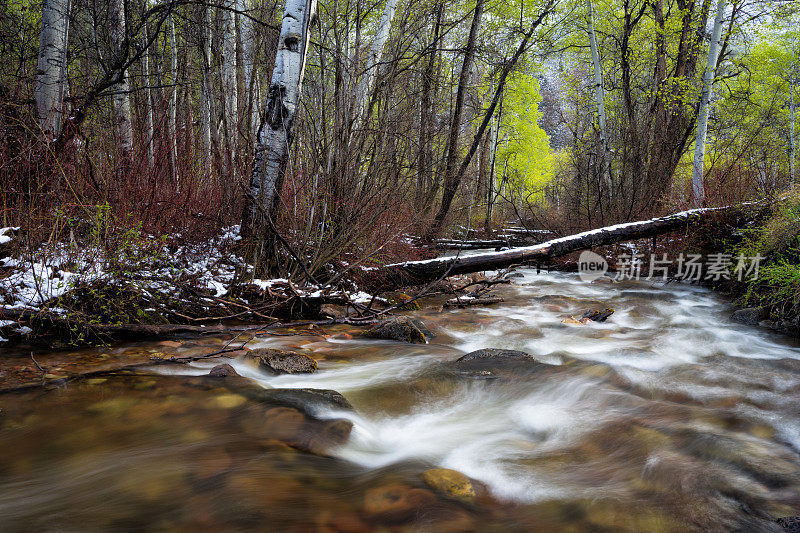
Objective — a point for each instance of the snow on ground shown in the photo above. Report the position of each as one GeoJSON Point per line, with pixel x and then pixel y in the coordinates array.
{"type": "Point", "coordinates": [36, 280]}
{"type": "Point", "coordinates": [6, 234]}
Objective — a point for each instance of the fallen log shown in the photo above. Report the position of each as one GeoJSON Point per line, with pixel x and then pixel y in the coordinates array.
{"type": "Point", "coordinates": [463, 302]}
{"type": "Point", "coordinates": [417, 272]}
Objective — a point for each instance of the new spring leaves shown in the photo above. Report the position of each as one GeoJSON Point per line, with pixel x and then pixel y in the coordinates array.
{"type": "Point", "coordinates": [687, 267]}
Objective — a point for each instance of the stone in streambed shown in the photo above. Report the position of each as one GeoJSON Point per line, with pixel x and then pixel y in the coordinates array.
{"type": "Point", "coordinates": [309, 401]}
{"type": "Point", "coordinates": [396, 503]}
{"type": "Point", "coordinates": [400, 328]}
{"type": "Point", "coordinates": [282, 362]}
{"type": "Point", "coordinates": [222, 371]}
{"type": "Point", "coordinates": [497, 362]}
{"type": "Point", "coordinates": [450, 483]}
{"type": "Point", "coordinates": [495, 354]}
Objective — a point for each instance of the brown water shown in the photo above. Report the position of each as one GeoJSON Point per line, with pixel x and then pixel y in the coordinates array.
{"type": "Point", "coordinates": [666, 418]}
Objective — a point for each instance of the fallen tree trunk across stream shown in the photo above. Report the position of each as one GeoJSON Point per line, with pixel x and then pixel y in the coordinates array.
{"type": "Point", "coordinates": [417, 272]}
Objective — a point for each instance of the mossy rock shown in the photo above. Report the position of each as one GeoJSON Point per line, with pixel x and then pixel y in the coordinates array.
{"type": "Point", "coordinates": [402, 328]}
{"type": "Point", "coordinates": [282, 362]}
{"type": "Point", "coordinates": [450, 483]}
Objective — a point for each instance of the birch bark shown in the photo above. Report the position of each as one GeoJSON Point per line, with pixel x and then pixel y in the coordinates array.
{"type": "Point", "coordinates": [51, 79]}
{"type": "Point", "coordinates": [698, 190]}
{"type": "Point", "coordinates": [231, 89]}
{"type": "Point", "coordinates": [205, 89]}
{"type": "Point", "coordinates": [122, 99]}
{"type": "Point", "coordinates": [605, 157]}
{"type": "Point", "coordinates": [173, 103]}
{"type": "Point", "coordinates": [148, 96]}
{"type": "Point", "coordinates": [367, 81]}
{"type": "Point", "coordinates": [276, 137]}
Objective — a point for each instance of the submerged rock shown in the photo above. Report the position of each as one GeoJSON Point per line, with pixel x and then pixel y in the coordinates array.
{"type": "Point", "coordinates": [494, 354]}
{"type": "Point", "coordinates": [282, 362]}
{"type": "Point", "coordinates": [309, 401]}
{"type": "Point", "coordinates": [595, 315]}
{"type": "Point", "coordinates": [400, 328]}
{"type": "Point", "coordinates": [222, 371]}
{"type": "Point", "coordinates": [451, 483]}
{"type": "Point", "coordinates": [750, 316]}
{"type": "Point", "coordinates": [497, 362]}
{"type": "Point", "coordinates": [396, 503]}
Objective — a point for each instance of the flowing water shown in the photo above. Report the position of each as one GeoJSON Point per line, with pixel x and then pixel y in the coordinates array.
{"type": "Point", "coordinates": [667, 417]}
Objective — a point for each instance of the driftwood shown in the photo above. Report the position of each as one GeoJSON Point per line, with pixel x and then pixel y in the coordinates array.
{"type": "Point", "coordinates": [462, 303]}
{"type": "Point", "coordinates": [417, 272]}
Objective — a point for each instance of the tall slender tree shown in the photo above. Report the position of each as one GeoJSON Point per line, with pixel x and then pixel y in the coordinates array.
{"type": "Point", "coordinates": [599, 95]}
{"type": "Point", "coordinates": [698, 189]}
{"type": "Point", "coordinates": [122, 90]}
{"type": "Point", "coordinates": [271, 152]}
{"type": "Point", "coordinates": [51, 80]}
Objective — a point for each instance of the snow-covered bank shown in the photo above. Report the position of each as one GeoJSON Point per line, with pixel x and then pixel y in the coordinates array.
{"type": "Point", "coordinates": [147, 281]}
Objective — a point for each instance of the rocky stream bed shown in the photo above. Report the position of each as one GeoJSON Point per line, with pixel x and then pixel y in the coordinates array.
{"type": "Point", "coordinates": [666, 417]}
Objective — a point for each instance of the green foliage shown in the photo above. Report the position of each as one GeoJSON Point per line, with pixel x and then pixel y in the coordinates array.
{"type": "Point", "coordinates": [778, 240]}
{"type": "Point", "coordinates": [525, 155]}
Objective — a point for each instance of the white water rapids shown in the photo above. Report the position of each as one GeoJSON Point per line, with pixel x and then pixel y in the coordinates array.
{"type": "Point", "coordinates": [665, 345]}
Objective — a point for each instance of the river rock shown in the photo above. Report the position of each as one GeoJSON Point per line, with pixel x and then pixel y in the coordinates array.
{"type": "Point", "coordinates": [309, 401]}
{"type": "Point", "coordinates": [491, 363]}
{"type": "Point", "coordinates": [282, 362]}
{"type": "Point", "coordinates": [396, 503]}
{"type": "Point", "coordinates": [789, 523]}
{"type": "Point", "coordinates": [223, 371]}
{"type": "Point", "coordinates": [494, 354]}
{"type": "Point", "coordinates": [750, 315]}
{"type": "Point", "coordinates": [514, 275]}
{"type": "Point", "coordinates": [327, 434]}
{"type": "Point", "coordinates": [451, 483]}
{"type": "Point", "coordinates": [400, 328]}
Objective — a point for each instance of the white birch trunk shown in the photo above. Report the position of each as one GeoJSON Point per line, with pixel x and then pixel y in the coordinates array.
{"type": "Point", "coordinates": [122, 98]}
{"type": "Point", "coordinates": [284, 96]}
{"type": "Point", "coordinates": [148, 96]}
{"type": "Point", "coordinates": [231, 88]}
{"type": "Point", "coordinates": [247, 34]}
{"type": "Point", "coordinates": [51, 79]}
{"type": "Point", "coordinates": [173, 103]}
{"type": "Point", "coordinates": [367, 82]}
{"type": "Point", "coordinates": [205, 90]}
{"type": "Point", "coordinates": [599, 95]}
{"type": "Point", "coordinates": [698, 190]}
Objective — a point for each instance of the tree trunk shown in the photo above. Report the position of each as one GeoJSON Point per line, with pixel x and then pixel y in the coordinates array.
{"type": "Point", "coordinates": [271, 152]}
{"type": "Point", "coordinates": [455, 179]}
{"type": "Point", "coordinates": [122, 99]}
{"type": "Point", "coordinates": [250, 86]}
{"type": "Point", "coordinates": [148, 106]}
{"type": "Point", "coordinates": [605, 152]}
{"type": "Point", "coordinates": [207, 106]}
{"type": "Point", "coordinates": [698, 191]}
{"type": "Point", "coordinates": [490, 193]}
{"type": "Point", "coordinates": [51, 80]}
{"type": "Point", "coordinates": [367, 82]}
{"type": "Point", "coordinates": [416, 272]}
{"type": "Point", "coordinates": [172, 136]}
{"type": "Point", "coordinates": [451, 179]}
{"type": "Point", "coordinates": [424, 155]}
{"type": "Point", "coordinates": [231, 90]}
